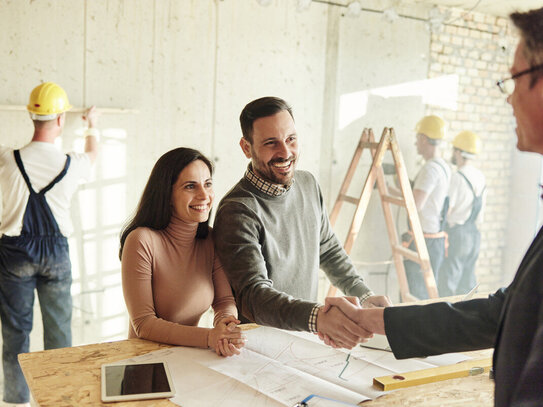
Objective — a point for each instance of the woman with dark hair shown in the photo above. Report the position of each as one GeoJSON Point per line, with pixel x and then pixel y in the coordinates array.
{"type": "Point", "coordinates": [170, 272]}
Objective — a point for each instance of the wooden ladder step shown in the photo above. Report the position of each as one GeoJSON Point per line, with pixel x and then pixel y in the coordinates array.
{"type": "Point", "coordinates": [407, 253]}
{"type": "Point", "coordinates": [347, 198]}
{"type": "Point", "coordinates": [369, 144]}
{"type": "Point", "coordinates": [394, 200]}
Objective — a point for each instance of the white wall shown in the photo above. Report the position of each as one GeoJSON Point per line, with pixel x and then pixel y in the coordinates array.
{"type": "Point", "coordinates": [186, 68]}
{"type": "Point", "coordinates": [375, 55]}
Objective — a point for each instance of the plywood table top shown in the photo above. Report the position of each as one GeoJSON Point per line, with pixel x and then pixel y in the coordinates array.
{"type": "Point", "coordinates": [71, 377]}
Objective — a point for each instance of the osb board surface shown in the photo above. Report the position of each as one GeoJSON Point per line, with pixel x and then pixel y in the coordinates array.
{"type": "Point", "coordinates": [467, 391]}
{"type": "Point", "coordinates": [71, 377]}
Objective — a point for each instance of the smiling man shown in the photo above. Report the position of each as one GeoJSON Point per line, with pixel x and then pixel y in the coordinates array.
{"type": "Point", "coordinates": [272, 234]}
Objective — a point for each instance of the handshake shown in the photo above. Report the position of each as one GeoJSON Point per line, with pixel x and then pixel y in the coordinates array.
{"type": "Point", "coordinates": [343, 322]}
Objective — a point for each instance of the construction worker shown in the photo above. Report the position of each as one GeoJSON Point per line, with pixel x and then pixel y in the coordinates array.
{"type": "Point", "coordinates": [466, 194]}
{"type": "Point", "coordinates": [430, 189]}
{"type": "Point", "coordinates": [37, 183]}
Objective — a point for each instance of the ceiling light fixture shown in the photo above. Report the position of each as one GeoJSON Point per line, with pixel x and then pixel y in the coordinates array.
{"type": "Point", "coordinates": [303, 5]}
{"type": "Point", "coordinates": [353, 9]}
{"type": "Point", "coordinates": [435, 20]}
{"type": "Point", "coordinates": [390, 14]}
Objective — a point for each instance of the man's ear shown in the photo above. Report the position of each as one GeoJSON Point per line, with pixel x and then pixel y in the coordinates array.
{"type": "Point", "coordinates": [245, 146]}
{"type": "Point", "coordinates": [61, 119]}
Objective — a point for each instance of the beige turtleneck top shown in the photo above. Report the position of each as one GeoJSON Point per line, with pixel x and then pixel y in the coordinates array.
{"type": "Point", "coordinates": [170, 279]}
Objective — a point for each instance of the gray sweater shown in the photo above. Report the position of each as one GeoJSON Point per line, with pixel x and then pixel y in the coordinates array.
{"type": "Point", "coordinates": [272, 248]}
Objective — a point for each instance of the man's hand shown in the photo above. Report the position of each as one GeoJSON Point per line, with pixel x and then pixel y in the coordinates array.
{"type": "Point", "coordinates": [341, 330]}
{"type": "Point", "coordinates": [377, 301]}
{"type": "Point", "coordinates": [91, 141]}
{"type": "Point", "coordinates": [91, 117]}
{"type": "Point", "coordinates": [370, 319]}
{"type": "Point", "coordinates": [353, 300]}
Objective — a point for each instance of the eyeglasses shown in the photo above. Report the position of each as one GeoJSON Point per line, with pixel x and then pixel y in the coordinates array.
{"type": "Point", "coordinates": [507, 85]}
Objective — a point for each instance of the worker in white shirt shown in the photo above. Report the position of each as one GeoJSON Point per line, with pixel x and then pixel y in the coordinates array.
{"type": "Point", "coordinates": [430, 190]}
{"type": "Point", "coordinates": [466, 201]}
{"type": "Point", "coordinates": [37, 183]}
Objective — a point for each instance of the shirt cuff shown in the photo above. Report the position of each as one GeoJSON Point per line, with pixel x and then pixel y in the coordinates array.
{"type": "Point", "coordinates": [366, 296]}
{"type": "Point", "coordinates": [93, 131]}
{"type": "Point", "coordinates": [313, 319]}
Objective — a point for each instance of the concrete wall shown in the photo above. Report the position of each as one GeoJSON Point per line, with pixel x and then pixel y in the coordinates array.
{"type": "Point", "coordinates": [376, 59]}
{"type": "Point", "coordinates": [186, 68]}
{"type": "Point", "coordinates": [477, 51]}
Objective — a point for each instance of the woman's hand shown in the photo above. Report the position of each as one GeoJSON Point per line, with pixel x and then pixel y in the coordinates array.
{"type": "Point", "coordinates": [226, 337]}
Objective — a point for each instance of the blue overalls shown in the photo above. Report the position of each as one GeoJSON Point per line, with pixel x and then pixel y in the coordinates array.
{"type": "Point", "coordinates": [457, 274]}
{"type": "Point", "coordinates": [435, 244]}
{"type": "Point", "coordinates": [36, 259]}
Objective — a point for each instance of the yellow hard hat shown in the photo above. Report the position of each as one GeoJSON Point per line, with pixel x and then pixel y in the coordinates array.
{"type": "Point", "coordinates": [432, 127]}
{"type": "Point", "coordinates": [467, 141]}
{"type": "Point", "coordinates": [47, 101]}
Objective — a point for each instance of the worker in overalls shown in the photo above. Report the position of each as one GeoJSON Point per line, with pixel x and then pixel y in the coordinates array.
{"type": "Point", "coordinates": [466, 196]}
{"type": "Point", "coordinates": [37, 183]}
{"type": "Point", "coordinates": [430, 190]}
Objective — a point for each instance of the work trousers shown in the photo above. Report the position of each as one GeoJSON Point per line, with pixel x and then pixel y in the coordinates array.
{"type": "Point", "coordinates": [19, 277]}
{"type": "Point", "coordinates": [457, 274]}
{"type": "Point", "coordinates": [436, 252]}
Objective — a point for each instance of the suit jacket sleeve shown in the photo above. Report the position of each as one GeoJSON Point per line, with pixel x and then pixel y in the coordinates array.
{"type": "Point", "coordinates": [443, 327]}
{"type": "Point", "coordinates": [527, 392]}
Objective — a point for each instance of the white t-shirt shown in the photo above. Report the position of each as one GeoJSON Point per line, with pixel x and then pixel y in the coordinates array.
{"type": "Point", "coordinates": [461, 197]}
{"type": "Point", "coordinates": [42, 162]}
{"type": "Point", "coordinates": [433, 178]}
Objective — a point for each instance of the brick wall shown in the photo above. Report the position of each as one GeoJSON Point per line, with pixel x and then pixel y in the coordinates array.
{"type": "Point", "coordinates": [479, 48]}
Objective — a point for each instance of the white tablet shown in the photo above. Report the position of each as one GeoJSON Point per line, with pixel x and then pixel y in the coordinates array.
{"type": "Point", "coordinates": [136, 381]}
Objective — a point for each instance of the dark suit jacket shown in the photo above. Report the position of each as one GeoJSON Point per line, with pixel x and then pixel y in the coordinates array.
{"type": "Point", "coordinates": [511, 320]}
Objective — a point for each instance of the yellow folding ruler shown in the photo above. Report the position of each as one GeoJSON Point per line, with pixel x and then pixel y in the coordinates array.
{"type": "Point", "coordinates": [435, 374]}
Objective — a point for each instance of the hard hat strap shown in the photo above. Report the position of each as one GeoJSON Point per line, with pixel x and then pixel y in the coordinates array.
{"type": "Point", "coordinates": [466, 155]}
{"type": "Point", "coordinates": [43, 117]}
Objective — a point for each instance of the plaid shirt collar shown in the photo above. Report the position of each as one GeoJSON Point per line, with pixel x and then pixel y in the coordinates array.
{"type": "Point", "coordinates": [264, 186]}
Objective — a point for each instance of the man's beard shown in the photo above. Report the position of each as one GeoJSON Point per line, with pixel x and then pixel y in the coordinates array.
{"type": "Point", "coordinates": [267, 171]}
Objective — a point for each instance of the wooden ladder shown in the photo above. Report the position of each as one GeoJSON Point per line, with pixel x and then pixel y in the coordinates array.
{"type": "Point", "coordinates": [388, 142]}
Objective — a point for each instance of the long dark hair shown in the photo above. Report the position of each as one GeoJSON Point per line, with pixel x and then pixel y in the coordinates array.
{"type": "Point", "coordinates": [154, 209]}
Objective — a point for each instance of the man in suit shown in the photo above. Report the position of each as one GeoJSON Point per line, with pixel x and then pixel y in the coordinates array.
{"type": "Point", "coordinates": [511, 319]}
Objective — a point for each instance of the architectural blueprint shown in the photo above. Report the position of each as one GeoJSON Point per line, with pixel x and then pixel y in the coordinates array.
{"type": "Point", "coordinates": [281, 368]}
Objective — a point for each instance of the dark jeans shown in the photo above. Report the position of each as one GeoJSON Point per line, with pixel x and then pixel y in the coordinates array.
{"type": "Point", "coordinates": [52, 278]}
{"type": "Point", "coordinates": [436, 252]}
{"type": "Point", "coordinates": [457, 273]}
